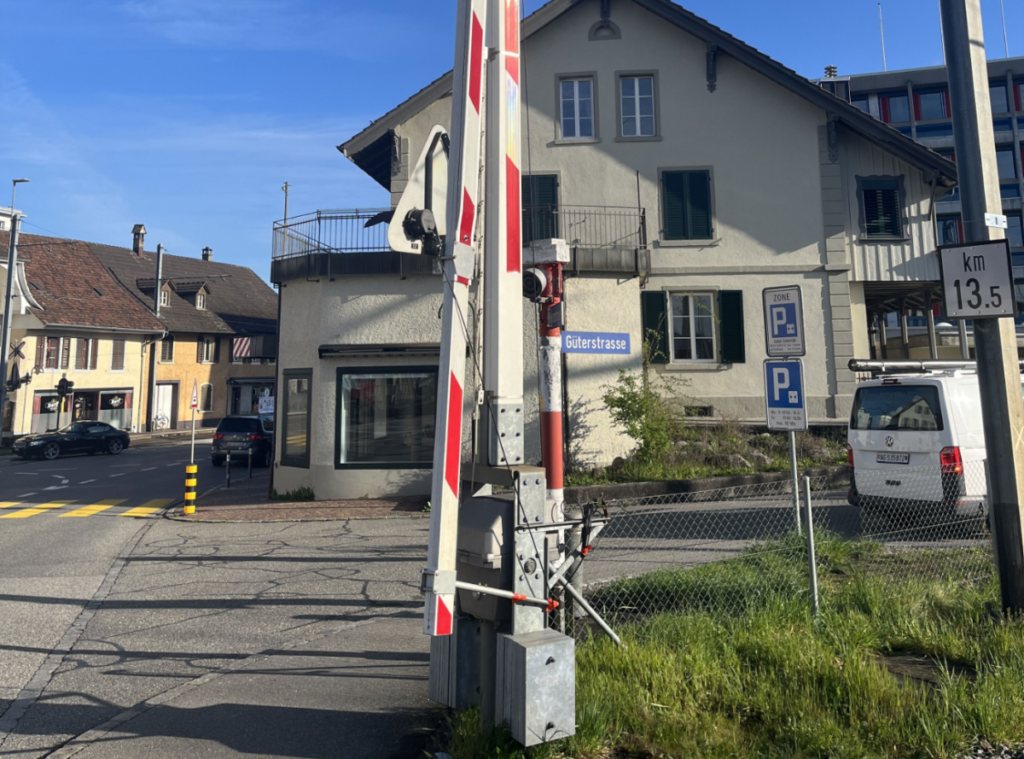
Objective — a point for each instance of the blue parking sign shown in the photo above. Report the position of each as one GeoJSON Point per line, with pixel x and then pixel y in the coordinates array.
{"type": "Point", "coordinates": [784, 395]}
{"type": "Point", "coordinates": [784, 322]}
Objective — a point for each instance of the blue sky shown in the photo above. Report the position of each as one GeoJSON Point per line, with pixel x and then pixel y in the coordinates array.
{"type": "Point", "coordinates": [189, 115]}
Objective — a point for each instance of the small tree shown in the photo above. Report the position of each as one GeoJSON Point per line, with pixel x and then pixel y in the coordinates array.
{"type": "Point", "coordinates": [639, 410]}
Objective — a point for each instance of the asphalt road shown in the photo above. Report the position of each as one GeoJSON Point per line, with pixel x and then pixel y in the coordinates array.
{"type": "Point", "coordinates": [159, 638]}
{"type": "Point", "coordinates": [147, 477]}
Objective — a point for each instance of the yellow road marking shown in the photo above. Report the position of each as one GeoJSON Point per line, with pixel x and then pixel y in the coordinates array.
{"type": "Point", "coordinates": [8, 504]}
{"type": "Point", "coordinates": [96, 508]}
{"type": "Point", "coordinates": [148, 508]}
{"type": "Point", "coordinates": [31, 512]}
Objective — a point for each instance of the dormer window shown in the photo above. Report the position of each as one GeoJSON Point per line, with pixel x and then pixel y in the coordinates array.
{"type": "Point", "coordinates": [165, 298]}
{"type": "Point", "coordinates": [201, 301]}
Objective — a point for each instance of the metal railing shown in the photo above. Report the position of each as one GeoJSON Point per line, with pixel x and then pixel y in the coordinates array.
{"type": "Point", "coordinates": [330, 232]}
{"type": "Point", "coordinates": [586, 226]}
{"type": "Point", "coordinates": [345, 231]}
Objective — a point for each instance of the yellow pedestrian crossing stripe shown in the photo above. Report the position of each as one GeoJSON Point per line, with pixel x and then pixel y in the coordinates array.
{"type": "Point", "coordinates": [96, 508]}
{"type": "Point", "coordinates": [31, 512]}
{"type": "Point", "coordinates": [9, 510]}
{"type": "Point", "coordinates": [148, 508]}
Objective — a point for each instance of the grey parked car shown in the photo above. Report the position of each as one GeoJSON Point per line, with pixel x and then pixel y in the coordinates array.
{"type": "Point", "coordinates": [240, 434]}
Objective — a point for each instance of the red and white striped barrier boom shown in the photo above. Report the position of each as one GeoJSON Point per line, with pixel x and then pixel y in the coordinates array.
{"type": "Point", "coordinates": [458, 263]}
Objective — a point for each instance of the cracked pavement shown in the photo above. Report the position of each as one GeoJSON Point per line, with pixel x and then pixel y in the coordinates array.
{"type": "Point", "coordinates": [218, 640]}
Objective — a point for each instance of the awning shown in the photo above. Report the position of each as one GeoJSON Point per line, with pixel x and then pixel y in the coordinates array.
{"type": "Point", "coordinates": [375, 351]}
{"type": "Point", "coordinates": [251, 381]}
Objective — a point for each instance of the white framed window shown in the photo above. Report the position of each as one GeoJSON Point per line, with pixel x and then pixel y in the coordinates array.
{"type": "Point", "coordinates": [207, 353]}
{"type": "Point", "coordinates": [636, 106]}
{"type": "Point", "coordinates": [85, 354]}
{"type": "Point", "coordinates": [200, 301]}
{"type": "Point", "coordinates": [692, 316]}
{"type": "Point", "coordinates": [165, 298]}
{"type": "Point", "coordinates": [205, 398]}
{"type": "Point", "coordinates": [577, 104]}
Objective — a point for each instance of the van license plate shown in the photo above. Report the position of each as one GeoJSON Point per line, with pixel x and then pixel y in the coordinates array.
{"type": "Point", "coordinates": [893, 458]}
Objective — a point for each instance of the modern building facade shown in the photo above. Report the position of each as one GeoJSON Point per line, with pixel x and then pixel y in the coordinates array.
{"type": "Point", "coordinates": [637, 151]}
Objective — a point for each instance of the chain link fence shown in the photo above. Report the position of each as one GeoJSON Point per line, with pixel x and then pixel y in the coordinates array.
{"type": "Point", "coordinates": [733, 550]}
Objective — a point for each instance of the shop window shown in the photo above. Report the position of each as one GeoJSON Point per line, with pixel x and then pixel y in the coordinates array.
{"type": "Point", "coordinates": [686, 205]}
{"type": "Point", "coordinates": [385, 417]}
{"type": "Point", "coordinates": [694, 327]}
{"type": "Point", "coordinates": [295, 418]}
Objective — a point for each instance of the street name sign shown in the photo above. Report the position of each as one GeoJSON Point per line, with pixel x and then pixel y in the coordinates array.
{"type": "Point", "coordinates": [595, 342]}
{"type": "Point", "coordinates": [977, 280]}
{"type": "Point", "coordinates": [784, 322]}
{"type": "Point", "coordinates": [784, 395]}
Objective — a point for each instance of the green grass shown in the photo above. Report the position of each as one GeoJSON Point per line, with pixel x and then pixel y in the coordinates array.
{"type": "Point", "coordinates": [304, 493]}
{"type": "Point", "coordinates": [726, 661]}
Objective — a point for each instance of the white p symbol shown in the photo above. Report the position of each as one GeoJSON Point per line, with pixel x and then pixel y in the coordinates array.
{"type": "Point", "coordinates": [778, 319]}
{"type": "Point", "coordinates": [780, 379]}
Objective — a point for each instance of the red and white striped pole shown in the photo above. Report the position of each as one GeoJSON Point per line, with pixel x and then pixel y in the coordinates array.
{"type": "Point", "coordinates": [550, 366]}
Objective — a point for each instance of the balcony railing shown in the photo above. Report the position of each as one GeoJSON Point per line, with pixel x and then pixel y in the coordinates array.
{"type": "Point", "coordinates": [330, 232]}
{"type": "Point", "coordinates": [591, 227]}
{"type": "Point", "coordinates": [330, 243]}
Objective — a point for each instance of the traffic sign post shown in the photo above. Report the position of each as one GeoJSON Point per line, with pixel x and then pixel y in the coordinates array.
{"type": "Point", "coordinates": [977, 280]}
{"type": "Point", "coordinates": [786, 406]}
{"type": "Point", "coordinates": [191, 470]}
{"type": "Point", "coordinates": [784, 322]}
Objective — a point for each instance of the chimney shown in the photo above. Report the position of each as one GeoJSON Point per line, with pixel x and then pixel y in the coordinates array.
{"type": "Point", "coordinates": [207, 254]}
{"type": "Point", "coordinates": [138, 238]}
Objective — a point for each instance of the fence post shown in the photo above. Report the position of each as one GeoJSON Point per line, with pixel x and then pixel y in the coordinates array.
{"type": "Point", "coordinates": [811, 558]}
{"type": "Point", "coordinates": [796, 483]}
{"type": "Point", "coordinates": [227, 470]}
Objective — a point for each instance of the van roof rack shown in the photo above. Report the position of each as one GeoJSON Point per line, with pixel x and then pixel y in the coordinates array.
{"type": "Point", "coordinates": [906, 366]}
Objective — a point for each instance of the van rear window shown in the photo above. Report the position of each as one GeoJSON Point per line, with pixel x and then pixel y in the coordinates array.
{"type": "Point", "coordinates": [897, 407]}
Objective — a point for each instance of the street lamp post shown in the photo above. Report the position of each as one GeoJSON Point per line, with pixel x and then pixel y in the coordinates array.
{"type": "Point", "coordinates": [5, 334]}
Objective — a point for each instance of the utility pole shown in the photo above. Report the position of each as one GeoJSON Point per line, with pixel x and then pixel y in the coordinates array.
{"type": "Point", "coordinates": [5, 335]}
{"type": "Point", "coordinates": [994, 339]}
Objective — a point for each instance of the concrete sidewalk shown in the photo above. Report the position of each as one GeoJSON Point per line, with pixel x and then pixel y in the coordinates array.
{"type": "Point", "coordinates": [246, 501]}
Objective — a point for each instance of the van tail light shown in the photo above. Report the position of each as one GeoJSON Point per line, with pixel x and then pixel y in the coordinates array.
{"type": "Point", "coordinates": [849, 455]}
{"type": "Point", "coordinates": [951, 461]}
{"type": "Point", "coordinates": [255, 437]}
{"type": "Point", "coordinates": [218, 436]}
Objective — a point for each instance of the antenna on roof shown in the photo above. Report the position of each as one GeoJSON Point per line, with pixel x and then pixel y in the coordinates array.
{"type": "Point", "coordinates": [1002, 13]}
{"type": "Point", "coordinates": [881, 31]}
{"type": "Point", "coordinates": [942, 35]}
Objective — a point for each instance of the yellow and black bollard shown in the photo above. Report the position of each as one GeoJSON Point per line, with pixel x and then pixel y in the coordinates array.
{"type": "Point", "coordinates": [190, 489]}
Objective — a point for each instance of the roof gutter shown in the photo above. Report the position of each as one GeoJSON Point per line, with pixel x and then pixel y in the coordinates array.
{"type": "Point", "coordinates": [125, 330]}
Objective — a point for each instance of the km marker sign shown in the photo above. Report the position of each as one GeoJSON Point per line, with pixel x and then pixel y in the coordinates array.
{"type": "Point", "coordinates": [977, 280]}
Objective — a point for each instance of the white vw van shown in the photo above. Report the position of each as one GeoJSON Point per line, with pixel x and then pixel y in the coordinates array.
{"type": "Point", "coordinates": [917, 447]}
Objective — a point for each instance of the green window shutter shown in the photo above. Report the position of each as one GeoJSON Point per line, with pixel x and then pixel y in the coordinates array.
{"type": "Point", "coordinates": [654, 313]}
{"type": "Point", "coordinates": [686, 205]}
{"type": "Point", "coordinates": [698, 195]}
{"type": "Point", "coordinates": [673, 198]}
{"type": "Point", "coordinates": [540, 207]}
{"type": "Point", "coordinates": [730, 314]}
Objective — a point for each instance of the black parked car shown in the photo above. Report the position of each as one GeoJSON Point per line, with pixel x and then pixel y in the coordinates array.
{"type": "Point", "coordinates": [240, 434]}
{"type": "Point", "coordinates": [80, 437]}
